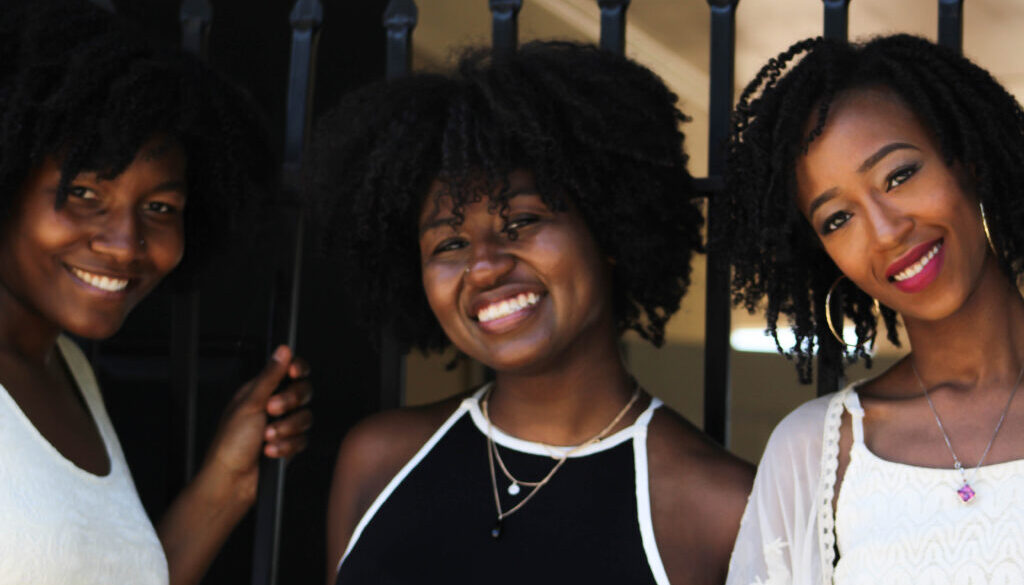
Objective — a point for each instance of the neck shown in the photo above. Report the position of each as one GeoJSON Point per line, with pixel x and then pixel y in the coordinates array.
{"type": "Point", "coordinates": [24, 333]}
{"type": "Point", "coordinates": [564, 405]}
{"type": "Point", "coordinates": [981, 345]}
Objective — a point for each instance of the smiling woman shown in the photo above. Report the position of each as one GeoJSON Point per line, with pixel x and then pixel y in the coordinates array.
{"type": "Point", "coordinates": [527, 209]}
{"type": "Point", "coordinates": [117, 160]}
{"type": "Point", "coordinates": [89, 260]}
{"type": "Point", "coordinates": [889, 171]}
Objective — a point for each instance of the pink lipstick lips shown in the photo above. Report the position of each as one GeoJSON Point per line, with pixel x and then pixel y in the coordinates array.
{"type": "Point", "coordinates": [916, 269]}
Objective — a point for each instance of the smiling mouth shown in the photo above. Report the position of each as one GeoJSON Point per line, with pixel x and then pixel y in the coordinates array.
{"type": "Point", "coordinates": [104, 283]}
{"type": "Point", "coordinates": [507, 307]}
{"type": "Point", "coordinates": [916, 268]}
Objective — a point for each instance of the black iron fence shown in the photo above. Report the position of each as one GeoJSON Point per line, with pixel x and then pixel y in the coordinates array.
{"type": "Point", "coordinates": [380, 386]}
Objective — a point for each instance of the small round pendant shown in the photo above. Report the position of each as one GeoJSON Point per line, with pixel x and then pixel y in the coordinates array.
{"type": "Point", "coordinates": [513, 490]}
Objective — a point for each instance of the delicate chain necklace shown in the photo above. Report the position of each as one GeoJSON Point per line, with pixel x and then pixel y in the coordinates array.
{"type": "Point", "coordinates": [513, 488]}
{"type": "Point", "coordinates": [966, 493]}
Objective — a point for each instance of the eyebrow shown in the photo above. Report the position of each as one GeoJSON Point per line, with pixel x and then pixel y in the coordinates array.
{"type": "Point", "coordinates": [864, 167]}
{"type": "Point", "coordinates": [174, 185]}
{"type": "Point", "coordinates": [881, 153]}
{"type": "Point", "coordinates": [448, 221]}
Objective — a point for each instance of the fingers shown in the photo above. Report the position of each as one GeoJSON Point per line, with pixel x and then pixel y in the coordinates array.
{"type": "Point", "coordinates": [296, 424]}
{"type": "Point", "coordinates": [299, 369]}
{"type": "Point", "coordinates": [264, 384]}
{"type": "Point", "coordinates": [286, 447]}
{"type": "Point", "coordinates": [296, 395]}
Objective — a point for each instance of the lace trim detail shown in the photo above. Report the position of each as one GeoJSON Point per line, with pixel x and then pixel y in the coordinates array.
{"type": "Point", "coordinates": [778, 570]}
{"type": "Point", "coordinates": [827, 483]}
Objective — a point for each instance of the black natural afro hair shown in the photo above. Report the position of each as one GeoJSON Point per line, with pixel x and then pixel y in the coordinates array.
{"type": "Point", "coordinates": [596, 130]}
{"type": "Point", "coordinates": [82, 86]}
{"type": "Point", "coordinates": [778, 261]}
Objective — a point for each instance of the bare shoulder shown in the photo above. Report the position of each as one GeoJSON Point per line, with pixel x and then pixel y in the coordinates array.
{"type": "Point", "coordinates": [384, 442]}
{"type": "Point", "coordinates": [373, 452]}
{"type": "Point", "coordinates": [698, 492]}
{"type": "Point", "coordinates": [680, 452]}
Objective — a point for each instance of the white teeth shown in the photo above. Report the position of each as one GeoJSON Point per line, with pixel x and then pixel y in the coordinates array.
{"type": "Point", "coordinates": [99, 281]}
{"type": "Point", "coordinates": [506, 307]}
{"type": "Point", "coordinates": [915, 268]}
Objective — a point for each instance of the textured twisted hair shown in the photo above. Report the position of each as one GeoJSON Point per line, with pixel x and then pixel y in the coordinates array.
{"type": "Point", "coordinates": [779, 263]}
{"type": "Point", "coordinates": [81, 86]}
{"type": "Point", "coordinates": [596, 130]}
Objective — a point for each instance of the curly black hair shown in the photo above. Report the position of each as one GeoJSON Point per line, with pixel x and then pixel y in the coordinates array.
{"type": "Point", "coordinates": [596, 130]}
{"type": "Point", "coordinates": [973, 118]}
{"type": "Point", "coordinates": [82, 86]}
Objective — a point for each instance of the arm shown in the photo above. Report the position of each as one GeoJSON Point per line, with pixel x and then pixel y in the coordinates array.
{"type": "Point", "coordinates": [373, 452]}
{"type": "Point", "coordinates": [204, 514]}
{"type": "Point", "coordinates": [698, 491]}
{"type": "Point", "coordinates": [778, 538]}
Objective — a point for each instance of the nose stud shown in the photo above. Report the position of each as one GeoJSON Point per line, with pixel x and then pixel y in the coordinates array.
{"type": "Point", "coordinates": [466, 271]}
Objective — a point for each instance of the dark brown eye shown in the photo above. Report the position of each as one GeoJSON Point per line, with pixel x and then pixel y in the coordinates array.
{"type": "Point", "coordinates": [449, 245]}
{"type": "Point", "coordinates": [834, 222]}
{"type": "Point", "coordinates": [900, 176]}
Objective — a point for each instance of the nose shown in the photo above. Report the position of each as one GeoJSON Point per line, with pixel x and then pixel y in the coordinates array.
{"type": "Point", "coordinates": [490, 261]}
{"type": "Point", "coordinates": [890, 223]}
{"type": "Point", "coordinates": [118, 236]}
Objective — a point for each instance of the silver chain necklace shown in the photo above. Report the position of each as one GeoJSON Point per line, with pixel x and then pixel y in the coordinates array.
{"type": "Point", "coordinates": [513, 488]}
{"type": "Point", "coordinates": [966, 493]}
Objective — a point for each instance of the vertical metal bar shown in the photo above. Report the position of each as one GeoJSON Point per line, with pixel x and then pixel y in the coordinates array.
{"type": "Point", "coordinates": [951, 24]}
{"type": "Point", "coordinates": [400, 19]}
{"type": "Point", "coordinates": [195, 19]}
{"type": "Point", "coordinates": [830, 351]}
{"type": "Point", "coordinates": [717, 308]}
{"type": "Point", "coordinates": [195, 26]}
{"type": "Point", "coordinates": [505, 25]}
{"type": "Point", "coordinates": [107, 5]}
{"type": "Point", "coordinates": [837, 21]}
{"type": "Point", "coordinates": [613, 25]}
{"type": "Point", "coordinates": [306, 17]}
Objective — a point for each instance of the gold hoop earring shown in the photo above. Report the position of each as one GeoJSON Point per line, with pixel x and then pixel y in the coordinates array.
{"type": "Point", "coordinates": [984, 225]}
{"type": "Point", "coordinates": [828, 315]}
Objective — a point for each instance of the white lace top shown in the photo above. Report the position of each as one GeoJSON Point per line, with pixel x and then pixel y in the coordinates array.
{"type": "Point", "coordinates": [896, 523]}
{"type": "Point", "coordinates": [60, 524]}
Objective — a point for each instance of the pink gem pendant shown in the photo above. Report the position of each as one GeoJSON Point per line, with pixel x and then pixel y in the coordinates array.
{"type": "Point", "coordinates": [966, 493]}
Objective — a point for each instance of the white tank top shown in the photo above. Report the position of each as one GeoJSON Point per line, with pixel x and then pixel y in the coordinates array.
{"type": "Point", "coordinates": [897, 523]}
{"type": "Point", "coordinates": [61, 525]}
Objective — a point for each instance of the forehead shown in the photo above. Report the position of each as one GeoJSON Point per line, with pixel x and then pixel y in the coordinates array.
{"type": "Point", "coordinates": [858, 124]}
{"type": "Point", "coordinates": [857, 117]}
{"type": "Point", "coordinates": [441, 196]}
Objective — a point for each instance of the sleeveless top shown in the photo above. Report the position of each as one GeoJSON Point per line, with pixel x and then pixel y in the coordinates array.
{"type": "Point", "coordinates": [432, 523]}
{"type": "Point", "coordinates": [60, 524]}
{"type": "Point", "coordinates": [895, 523]}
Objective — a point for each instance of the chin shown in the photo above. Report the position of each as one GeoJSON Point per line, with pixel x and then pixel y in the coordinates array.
{"type": "Point", "coordinates": [96, 330]}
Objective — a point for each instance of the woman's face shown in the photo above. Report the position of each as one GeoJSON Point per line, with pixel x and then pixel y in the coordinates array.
{"type": "Point", "coordinates": [518, 304]}
{"type": "Point", "coordinates": [84, 265]}
{"type": "Point", "coordinates": [896, 219]}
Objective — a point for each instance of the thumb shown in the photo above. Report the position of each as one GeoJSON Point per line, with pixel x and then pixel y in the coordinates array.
{"type": "Point", "coordinates": [264, 384]}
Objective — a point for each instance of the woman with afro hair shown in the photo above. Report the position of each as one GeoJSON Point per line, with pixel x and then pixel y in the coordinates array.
{"type": "Point", "coordinates": [527, 209]}
{"type": "Point", "coordinates": [113, 154]}
{"type": "Point", "coordinates": [884, 180]}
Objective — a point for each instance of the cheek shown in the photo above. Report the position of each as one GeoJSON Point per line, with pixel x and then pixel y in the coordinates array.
{"type": "Point", "coordinates": [440, 284]}
{"type": "Point", "coordinates": [166, 249]}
